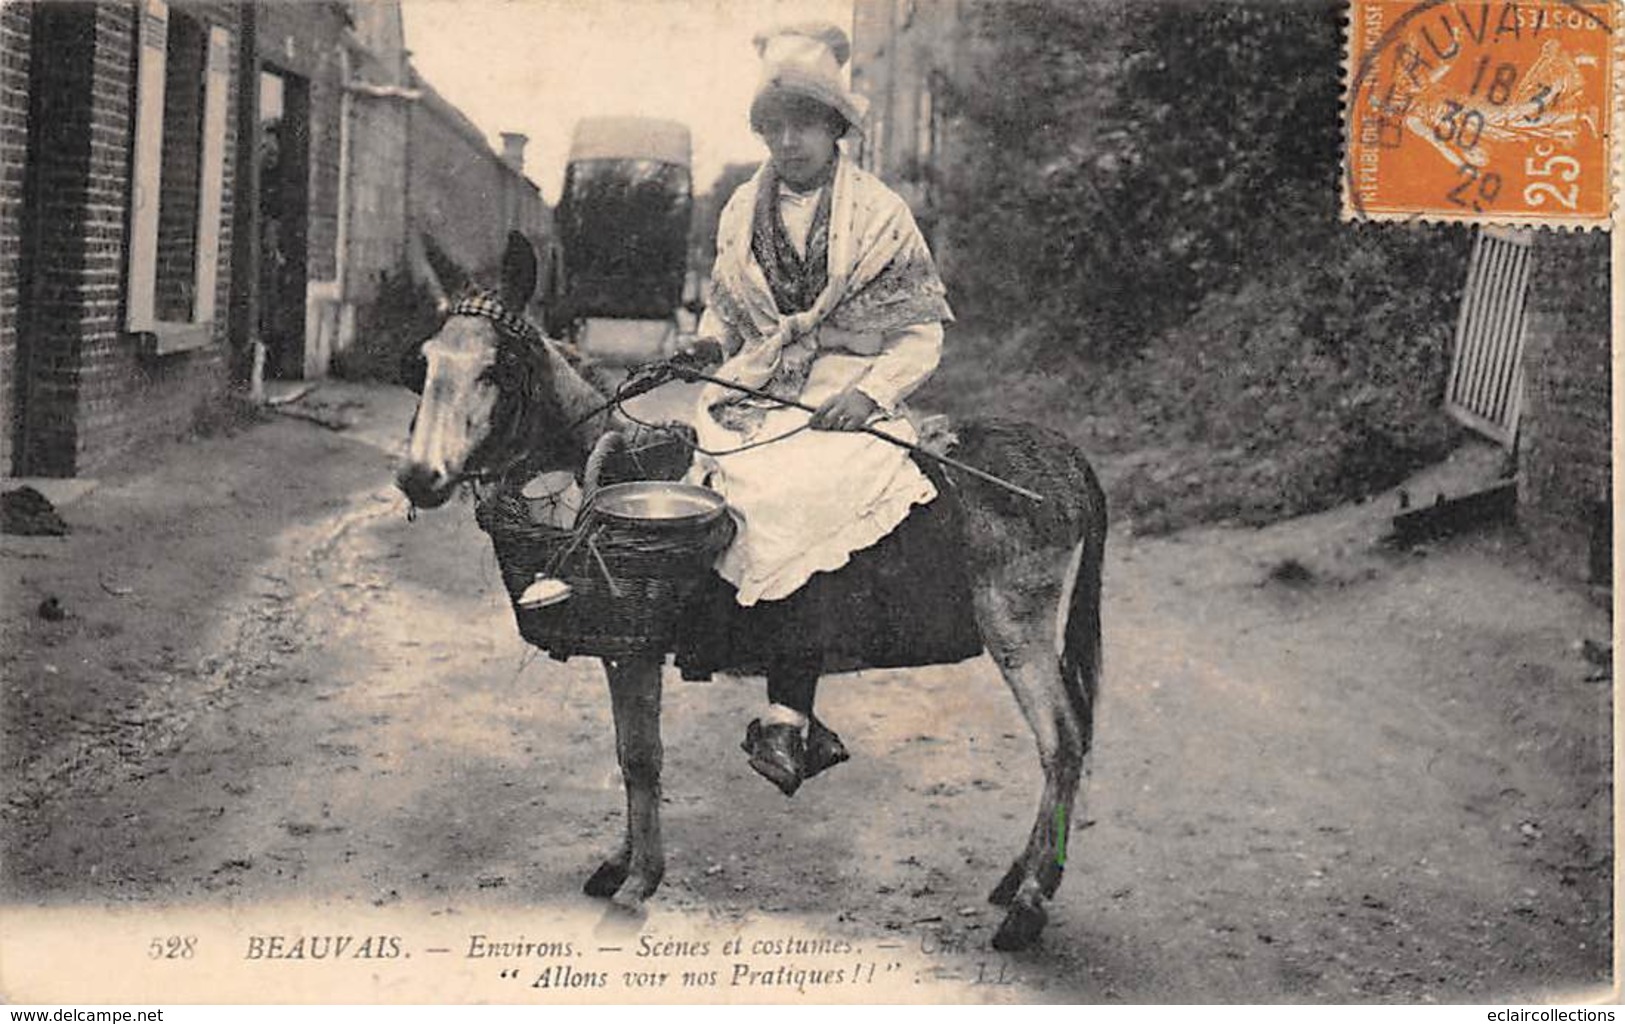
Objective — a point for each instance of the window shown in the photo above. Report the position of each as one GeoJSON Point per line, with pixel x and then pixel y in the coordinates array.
{"type": "Point", "coordinates": [183, 70]}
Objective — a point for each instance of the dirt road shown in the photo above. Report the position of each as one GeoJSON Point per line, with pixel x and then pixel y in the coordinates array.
{"type": "Point", "coordinates": [1377, 776]}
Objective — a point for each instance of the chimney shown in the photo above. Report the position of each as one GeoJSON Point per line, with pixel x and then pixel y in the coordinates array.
{"type": "Point", "coordinates": [513, 150]}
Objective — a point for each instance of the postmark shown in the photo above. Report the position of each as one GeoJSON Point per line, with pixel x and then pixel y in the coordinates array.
{"type": "Point", "coordinates": [1489, 113]}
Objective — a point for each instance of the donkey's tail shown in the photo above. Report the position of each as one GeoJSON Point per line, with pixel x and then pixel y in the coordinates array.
{"type": "Point", "coordinates": [1080, 632]}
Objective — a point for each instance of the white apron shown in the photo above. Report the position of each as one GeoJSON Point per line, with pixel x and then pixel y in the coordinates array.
{"type": "Point", "coordinates": [806, 503]}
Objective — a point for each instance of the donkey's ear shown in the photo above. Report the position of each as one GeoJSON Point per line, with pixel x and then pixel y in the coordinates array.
{"type": "Point", "coordinates": [518, 272]}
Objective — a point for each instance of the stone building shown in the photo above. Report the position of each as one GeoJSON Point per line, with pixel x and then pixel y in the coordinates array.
{"type": "Point", "coordinates": [379, 96]}
{"type": "Point", "coordinates": [385, 166]}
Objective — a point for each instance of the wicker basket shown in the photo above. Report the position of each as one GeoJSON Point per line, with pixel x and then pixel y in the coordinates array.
{"type": "Point", "coordinates": [629, 582]}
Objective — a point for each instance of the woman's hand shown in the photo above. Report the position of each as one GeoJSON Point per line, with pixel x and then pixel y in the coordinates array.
{"type": "Point", "coordinates": [849, 410]}
{"type": "Point", "coordinates": [700, 351]}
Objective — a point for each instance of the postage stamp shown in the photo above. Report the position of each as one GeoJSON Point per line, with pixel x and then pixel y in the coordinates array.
{"type": "Point", "coordinates": [1480, 112]}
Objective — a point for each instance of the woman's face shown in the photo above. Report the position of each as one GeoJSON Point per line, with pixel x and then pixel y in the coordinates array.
{"type": "Point", "coordinates": [801, 140]}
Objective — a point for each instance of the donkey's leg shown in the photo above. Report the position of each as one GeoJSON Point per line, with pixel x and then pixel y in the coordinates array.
{"type": "Point", "coordinates": [634, 690]}
{"type": "Point", "coordinates": [1020, 606]}
{"type": "Point", "coordinates": [604, 882]}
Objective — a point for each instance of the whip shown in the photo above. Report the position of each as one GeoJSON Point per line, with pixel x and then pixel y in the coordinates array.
{"type": "Point", "coordinates": [653, 375]}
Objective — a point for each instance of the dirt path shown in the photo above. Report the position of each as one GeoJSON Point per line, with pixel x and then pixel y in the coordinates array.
{"type": "Point", "coordinates": [1383, 778]}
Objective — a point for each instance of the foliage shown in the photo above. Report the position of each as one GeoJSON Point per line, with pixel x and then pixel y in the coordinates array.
{"type": "Point", "coordinates": [1144, 243]}
{"type": "Point", "coordinates": [1280, 400]}
{"type": "Point", "coordinates": [1026, 110]}
{"type": "Point", "coordinates": [702, 247]}
{"type": "Point", "coordinates": [1273, 399]}
{"type": "Point", "coordinates": [401, 317]}
{"type": "Point", "coordinates": [1121, 163]}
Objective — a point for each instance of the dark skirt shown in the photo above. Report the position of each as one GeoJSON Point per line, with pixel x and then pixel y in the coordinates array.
{"type": "Point", "coordinates": [904, 601]}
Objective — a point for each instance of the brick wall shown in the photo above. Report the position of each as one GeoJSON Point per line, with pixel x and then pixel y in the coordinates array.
{"type": "Point", "coordinates": [16, 25]}
{"type": "Point", "coordinates": [127, 399]}
{"type": "Point", "coordinates": [1565, 478]}
{"type": "Point", "coordinates": [90, 393]}
{"type": "Point", "coordinates": [50, 336]}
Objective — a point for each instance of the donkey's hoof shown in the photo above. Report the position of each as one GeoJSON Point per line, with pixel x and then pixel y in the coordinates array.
{"type": "Point", "coordinates": [606, 881]}
{"type": "Point", "coordinates": [1021, 927]}
{"type": "Point", "coordinates": [629, 900]}
{"type": "Point", "coordinates": [633, 891]}
{"type": "Point", "coordinates": [1005, 891]}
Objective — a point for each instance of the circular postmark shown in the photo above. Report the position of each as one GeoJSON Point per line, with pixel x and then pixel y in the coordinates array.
{"type": "Point", "coordinates": [1480, 112]}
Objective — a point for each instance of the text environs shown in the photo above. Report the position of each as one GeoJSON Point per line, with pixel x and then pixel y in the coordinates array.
{"type": "Point", "coordinates": [483, 946]}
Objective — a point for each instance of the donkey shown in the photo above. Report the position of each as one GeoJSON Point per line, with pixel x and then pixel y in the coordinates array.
{"type": "Point", "coordinates": [501, 403]}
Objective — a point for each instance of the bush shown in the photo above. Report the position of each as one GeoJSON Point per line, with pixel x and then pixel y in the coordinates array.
{"type": "Point", "coordinates": [1312, 385]}
{"type": "Point", "coordinates": [398, 320]}
{"type": "Point", "coordinates": [1119, 163]}
{"type": "Point", "coordinates": [1146, 249]}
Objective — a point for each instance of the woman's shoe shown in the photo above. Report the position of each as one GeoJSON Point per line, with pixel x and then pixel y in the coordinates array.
{"type": "Point", "coordinates": [823, 749]}
{"type": "Point", "coordinates": [777, 753]}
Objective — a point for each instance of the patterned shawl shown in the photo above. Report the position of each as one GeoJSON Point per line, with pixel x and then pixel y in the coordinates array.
{"type": "Point", "coordinates": [879, 276]}
{"type": "Point", "coordinates": [795, 280]}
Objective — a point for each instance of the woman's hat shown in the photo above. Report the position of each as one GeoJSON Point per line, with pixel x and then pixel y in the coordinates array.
{"type": "Point", "coordinates": [806, 60]}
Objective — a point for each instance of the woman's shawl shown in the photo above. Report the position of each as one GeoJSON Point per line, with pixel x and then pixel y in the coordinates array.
{"type": "Point", "coordinates": [796, 279]}
{"type": "Point", "coordinates": [880, 278]}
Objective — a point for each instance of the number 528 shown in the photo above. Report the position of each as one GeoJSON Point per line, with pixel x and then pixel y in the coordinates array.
{"type": "Point", "coordinates": [172, 947]}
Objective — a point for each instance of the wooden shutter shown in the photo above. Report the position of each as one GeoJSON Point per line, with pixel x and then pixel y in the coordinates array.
{"type": "Point", "coordinates": [211, 183]}
{"type": "Point", "coordinates": [146, 169]}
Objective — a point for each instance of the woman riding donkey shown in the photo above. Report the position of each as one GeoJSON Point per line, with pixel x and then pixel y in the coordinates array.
{"type": "Point", "coordinates": [823, 292]}
{"type": "Point", "coordinates": [847, 555]}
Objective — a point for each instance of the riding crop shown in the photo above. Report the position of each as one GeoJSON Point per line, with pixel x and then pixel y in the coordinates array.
{"type": "Point", "coordinates": [662, 372]}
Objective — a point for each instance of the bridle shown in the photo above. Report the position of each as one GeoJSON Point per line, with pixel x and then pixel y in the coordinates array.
{"type": "Point", "coordinates": [519, 438]}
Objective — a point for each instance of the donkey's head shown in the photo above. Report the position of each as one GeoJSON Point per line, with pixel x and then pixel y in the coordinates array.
{"type": "Point", "coordinates": [481, 374]}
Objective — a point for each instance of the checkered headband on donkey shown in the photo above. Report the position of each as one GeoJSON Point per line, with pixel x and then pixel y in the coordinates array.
{"type": "Point", "coordinates": [489, 306]}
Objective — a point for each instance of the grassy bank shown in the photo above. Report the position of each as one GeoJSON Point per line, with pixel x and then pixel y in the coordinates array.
{"type": "Point", "coordinates": [1244, 414]}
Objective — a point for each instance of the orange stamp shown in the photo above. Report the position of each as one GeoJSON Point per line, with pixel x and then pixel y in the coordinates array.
{"type": "Point", "coordinates": [1490, 113]}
